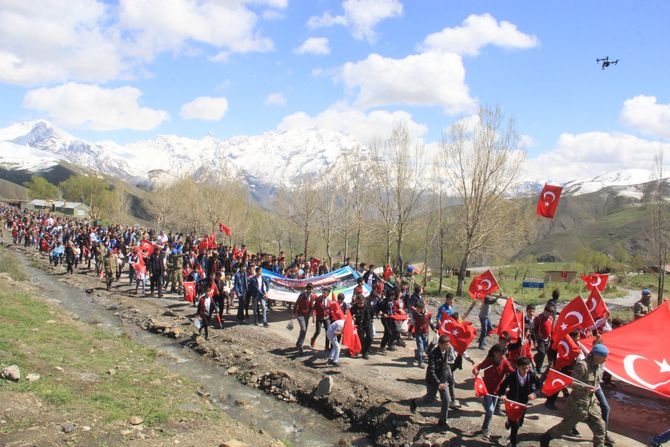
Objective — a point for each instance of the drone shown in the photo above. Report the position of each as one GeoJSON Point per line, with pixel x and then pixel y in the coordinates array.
{"type": "Point", "coordinates": [606, 62]}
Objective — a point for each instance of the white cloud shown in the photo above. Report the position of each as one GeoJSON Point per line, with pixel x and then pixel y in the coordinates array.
{"type": "Point", "coordinates": [421, 79]}
{"type": "Point", "coordinates": [160, 26]}
{"type": "Point", "coordinates": [645, 114]}
{"type": "Point", "coordinates": [92, 41]}
{"type": "Point", "coordinates": [205, 108]}
{"type": "Point", "coordinates": [275, 99]}
{"type": "Point", "coordinates": [477, 32]}
{"type": "Point", "coordinates": [56, 41]}
{"type": "Point", "coordinates": [361, 16]}
{"type": "Point", "coordinates": [364, 126]}
{"type": "Point", "coordinates": [314, 45]}
{"type": "Point", "coordinates": [93, 107]}
{"type": "Point", "coordinates": [586, 155]}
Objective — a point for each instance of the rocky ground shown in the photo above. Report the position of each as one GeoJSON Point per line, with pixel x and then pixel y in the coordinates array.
{"type": "Point", "coordinates": [366, 396]}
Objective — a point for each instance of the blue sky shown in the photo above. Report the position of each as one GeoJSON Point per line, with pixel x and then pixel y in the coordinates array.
{"type": "Point", "coordinates": [131, 70]}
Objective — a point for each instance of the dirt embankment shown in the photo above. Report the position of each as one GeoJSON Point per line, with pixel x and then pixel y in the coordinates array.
{"type": "Point", "coordinates": [367, 396]}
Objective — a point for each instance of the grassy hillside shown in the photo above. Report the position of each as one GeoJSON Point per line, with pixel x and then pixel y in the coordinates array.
{"type": "Point", "coordinates": [599, 221]}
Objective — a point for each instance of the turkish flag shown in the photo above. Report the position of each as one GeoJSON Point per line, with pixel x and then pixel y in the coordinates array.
{"type": "Point", "coordinates": [509, 321]}
{"type": "Point", "coordinates": [147, 247]}
{"type": "Point", "coordinates": [460, 334]}
{"type": "Point", "coordinates": [514, 410]}
{"type": "Point", "coordinates": [575, 315]}
{"type": "Point", "coordinates": [350, 336]}
{"type": "Point", "coordinates": [596, 281]}
{"type": "Point", "coordinates": [555, 382]}
{"type": "Point", "coordinates": [335, 311]}
{"type": "Point", "coordinates": [224, 229]}
{"type": "Point", "coordinates": [189, 291]}
{"type": "Point", "coordinates": [480, 387]}
{"type": "Point", "coordinates": [140, 267]}
{"type": "Point", "coordinates": [566, 353]}
{"type": "Point", "coordinates": [548, 201]}
{"type": "Point", "coordinates": [596, 305]}
{"type": "Point", "coordinates": [482, 285]}
{"type": "Point", "coordinates": [638, 352]}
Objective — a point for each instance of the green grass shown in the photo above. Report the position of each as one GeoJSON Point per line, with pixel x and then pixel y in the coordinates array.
{"type": "Point", "coordinates": [128, 379]}
{"type": "Point", "coordinates": [9, 263]}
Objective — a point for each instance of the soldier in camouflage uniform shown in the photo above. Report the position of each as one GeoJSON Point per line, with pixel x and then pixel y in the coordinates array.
{"type": "Point", "coordinates": [109, 263]}
{"type": "Point", "coordinates": [174, 262]}
{"type": "Point", "coordinates": [583, 405]}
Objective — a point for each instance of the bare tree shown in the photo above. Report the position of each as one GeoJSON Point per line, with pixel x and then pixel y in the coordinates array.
{"type": "Point", "coordinates": [397, 172]}
{"type": "Point", "coordinates": [481, 158]}
{"type": "Point", "coordinates": [303, 202]}
{"type": "Point", "coordinates": [660, 227]}
{"type": "Point", "coordinates": [326, 216]}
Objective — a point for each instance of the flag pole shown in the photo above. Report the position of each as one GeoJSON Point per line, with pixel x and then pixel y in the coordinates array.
{"type": "Point", "coordinates": [574, 380]}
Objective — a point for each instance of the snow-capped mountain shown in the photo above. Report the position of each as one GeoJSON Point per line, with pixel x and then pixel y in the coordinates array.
{"type": "Point", "coordinates": [263, 162]}
{"type": "Point", "coordinates": [269, 159]}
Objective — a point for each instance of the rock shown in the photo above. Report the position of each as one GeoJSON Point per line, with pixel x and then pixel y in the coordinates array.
{"type": "Point", "coordinates": [241, 403]}
{"type": "Point", "coordinates": [338, 411]}
{"type": "Point", "coordinates": [232, 370]}
{"type": "Point", "coordinates": [68, 427]}
{"type": "Point", "coordinates": [233, 443]}
{"type": "Point", "coordinates": [248, 351]}
{"type": "Point", "coordinates": [50, 322]}
{"type": "Point", "coordinates": [324, 387]}
{"type": "Point", "coordinates": [111, 371]}
{"type": "Point", "coordinates": [59, 369]}
{"type": "Point", "coordinates": [202, 393]}
{"type": "Point", "coordinates": [32, 377]}
{"type": "Point", "coordinates": [12, 373]}
{"type": "Point", "coordinates": [86, 428]}
{"type": "Point", "coordinates": [176, 332]}
{"type": "Point", "coordinates": [135, 420]}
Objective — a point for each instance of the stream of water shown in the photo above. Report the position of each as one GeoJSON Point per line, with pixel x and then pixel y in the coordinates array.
{"type": "Point", "coordinates": [295, 424]}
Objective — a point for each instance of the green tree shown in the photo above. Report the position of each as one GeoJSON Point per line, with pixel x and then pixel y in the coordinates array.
{"type": "Point", "coordinates": [90, 190]}
{"type": "Point", "coordinates": [40, 188]}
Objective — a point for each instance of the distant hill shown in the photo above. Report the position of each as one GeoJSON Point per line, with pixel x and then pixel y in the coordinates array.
{"type": "Point", "coordinates": [601, 220]}
{"type": "Point", "coordinates": [11, 191]}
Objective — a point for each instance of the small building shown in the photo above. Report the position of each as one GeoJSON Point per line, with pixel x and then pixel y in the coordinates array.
{"type": "Point", "coordinates": [74, 209]}
{"type": "Point", "coordinates": [566, 276]}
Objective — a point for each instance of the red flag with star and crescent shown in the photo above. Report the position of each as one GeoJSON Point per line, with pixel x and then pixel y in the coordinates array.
{"type": "Point", "coordinates": [482, 285]}
{"type": "Point", "coordinates": [575, 315]}
{"type": "Point", "coordinates": [596, 305]}
{"type": "Point", "coordinates": [480, 387]}
{"type": "Point", "coordinates": [189, 291]}
{"type": "Point", "coordinates": [509, 321]}
{"type": "Point", "coordinates": [638, 352]}
{"type": "Point", "coordinates": [596, 281]}
{"type": "Point", "coordinates": [350, 337]}
{"type": "Point", "coordinates": [566, 353]}
{"type": "Point", "coordinates": [514, 410]}
{"type": "Point", "coordinates": [461, 333]}
{"type": "Point", "coordinates": [555, 382]}
{"type": "Point", "coordinates": [548, 201]}
{"type": "Point", "coordinates": [224, 229]}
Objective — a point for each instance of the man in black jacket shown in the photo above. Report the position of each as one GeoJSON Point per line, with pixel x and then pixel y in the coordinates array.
{"type": "Point", "coordinates": [362, 314]}
{"type": "Point", "coordinates": [438, 374]}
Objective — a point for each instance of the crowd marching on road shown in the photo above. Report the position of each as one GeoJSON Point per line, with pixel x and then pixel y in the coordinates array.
{"type": "Point", "coordinates": [215, 277]}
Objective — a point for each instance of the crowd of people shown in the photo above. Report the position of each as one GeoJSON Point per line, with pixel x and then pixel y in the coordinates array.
{"type": "Point", "coordinates": [217, 276]}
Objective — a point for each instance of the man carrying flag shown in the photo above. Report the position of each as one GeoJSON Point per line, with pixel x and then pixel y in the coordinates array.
{"type": "Point", "coordinates": [517, 390]}
{"type": "Point", "coordinates": [583, 405]}
{"type": "Point", "coordinates": [438, 375]}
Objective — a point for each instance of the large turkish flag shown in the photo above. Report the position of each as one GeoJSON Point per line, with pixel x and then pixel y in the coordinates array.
{"type": "Point", "coordinates": [638, 351]}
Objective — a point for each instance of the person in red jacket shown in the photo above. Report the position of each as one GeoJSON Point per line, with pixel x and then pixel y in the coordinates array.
{"type": "Point", "coordinates": [495, 368]}
{"type": "Point", "coordinates": [301, 311]}
{"type": "Point", "coordinates": [320, 307]}
{"type": "Point", "coordinates": [543, 328]}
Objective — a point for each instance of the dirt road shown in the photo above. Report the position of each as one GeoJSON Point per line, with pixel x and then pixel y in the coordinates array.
{"type": "Point", "coordinates": [369, 396]}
